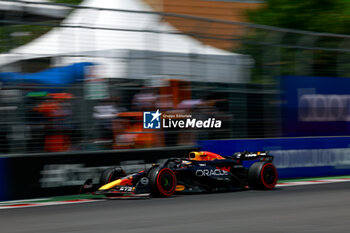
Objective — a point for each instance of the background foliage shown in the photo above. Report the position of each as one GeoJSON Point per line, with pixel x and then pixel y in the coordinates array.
{"type": "Point", "coordinates": [328, 16]}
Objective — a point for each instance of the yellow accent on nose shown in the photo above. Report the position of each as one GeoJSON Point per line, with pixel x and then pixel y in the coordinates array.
{"type": "Point", "coordinates": [179, 188]}
{"type": "Point", "coordinates": [110, 185]}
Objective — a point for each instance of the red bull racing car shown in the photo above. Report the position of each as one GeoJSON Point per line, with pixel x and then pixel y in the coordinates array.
{"type": "Point", "coordinates": [203, 171]}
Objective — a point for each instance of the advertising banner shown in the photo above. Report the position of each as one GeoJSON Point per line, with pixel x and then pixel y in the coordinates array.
{"type": "Point", "coordinates": [293, 157]}
{"type": "Point", "coordinates": [31, 176]}
{"type": "Point", "coordinates": [315, 106]}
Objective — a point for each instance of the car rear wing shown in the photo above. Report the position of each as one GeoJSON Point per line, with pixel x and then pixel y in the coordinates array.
{"type": "Point", "coordinates": [261, 155]}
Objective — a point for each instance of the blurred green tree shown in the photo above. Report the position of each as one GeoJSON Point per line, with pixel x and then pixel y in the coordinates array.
{"type": "Point", "coordinates": [26, 32]}
{"type": "Point", "coordinates": [273, 52]}
{"type": "Point", "coordinates": [331, 16]}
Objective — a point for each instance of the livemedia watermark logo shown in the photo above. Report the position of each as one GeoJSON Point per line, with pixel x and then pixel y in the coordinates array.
{"type": "Point", "coordinates": [153, 120]}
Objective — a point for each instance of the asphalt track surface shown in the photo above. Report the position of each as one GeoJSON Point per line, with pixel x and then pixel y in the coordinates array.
{"type": "Point", "coordinates": [310, 208]}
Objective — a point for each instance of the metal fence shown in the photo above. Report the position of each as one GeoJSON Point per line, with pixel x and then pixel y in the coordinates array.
{"type": "Point", "coordinates": [37, 119]}
{"type": "Point", "coordinates": [167, 67]}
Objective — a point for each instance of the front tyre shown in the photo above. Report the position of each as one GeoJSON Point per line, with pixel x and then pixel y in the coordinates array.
{"type": "Point", "coordinates": [263, 175]}
{"type": "Point", "coordinates": [162, 181]}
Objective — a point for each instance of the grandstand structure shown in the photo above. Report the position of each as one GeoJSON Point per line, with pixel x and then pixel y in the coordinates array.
{"type": "Point", "coordinates": [226, 10]}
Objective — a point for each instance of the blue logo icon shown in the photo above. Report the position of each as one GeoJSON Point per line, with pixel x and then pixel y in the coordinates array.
{"type": "Point", "coordinates": [151, 120]}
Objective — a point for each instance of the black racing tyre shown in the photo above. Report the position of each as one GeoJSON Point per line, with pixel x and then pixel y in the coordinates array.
{"type": "Point", "coordinates": [110, 175]}
{"type": "Point", "coordinates": [162, 181]}
{"type": "Point", "coordinates": [262, 175]}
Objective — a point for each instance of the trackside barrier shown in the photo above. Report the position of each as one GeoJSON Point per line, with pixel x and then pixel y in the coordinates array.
{"type": "Point", "coordinates": [294, 157]}
{"type": "Point", "coordinates": [38, 175]}
{"type": "Point", "coordinates": [3, 177]}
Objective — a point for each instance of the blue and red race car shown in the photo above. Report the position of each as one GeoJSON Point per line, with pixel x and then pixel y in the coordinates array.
{"type": "Point", "coordinates": [202, 171]}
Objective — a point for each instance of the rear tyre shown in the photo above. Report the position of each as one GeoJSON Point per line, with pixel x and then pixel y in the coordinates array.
{"type": "Point", "coordinates": [262, 175]}
{"type": "Point", "coordinates": [162, 181]}
{"type": "Point", "coordinates": [110, 175]}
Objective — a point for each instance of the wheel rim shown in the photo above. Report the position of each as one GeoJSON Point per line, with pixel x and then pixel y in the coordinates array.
{"type": "Point", "coordinates": [269, 176]}
{"type": "Point", "coordinates": [166, 182]}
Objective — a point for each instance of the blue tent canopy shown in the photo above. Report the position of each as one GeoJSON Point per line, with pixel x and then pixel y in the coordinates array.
{"type": "Point", "coordinates": [53, 76]}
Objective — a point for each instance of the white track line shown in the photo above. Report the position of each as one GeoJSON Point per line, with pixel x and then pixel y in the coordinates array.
{"type": "Point", "coordinates": [297, 183]}
{"type": "Point", "coordinates": [25, 205]}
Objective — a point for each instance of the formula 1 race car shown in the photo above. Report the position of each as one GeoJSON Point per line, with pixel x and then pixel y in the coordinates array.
{"type": "Point", "coordinates": [202, 172]}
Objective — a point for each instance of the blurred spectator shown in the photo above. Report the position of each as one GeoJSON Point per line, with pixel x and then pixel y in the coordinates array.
{"type": "Point", "coordinates": [184, 136]}
{"type": "Point", "coordinates": [129, 132]}
{"type": "Point", "coordinates": [165, 102]}
{"type": "Point", "coordinates": [9, 102]}
{"type": "Point", "coordinates": [57, 110]}
{"type": "Point", "coordinates": [145, 100]}
{"type": "Point", "coordinates": [104, 113]}
{"type": "Point", "coordinates": [36, 122]}
{"type": "Point", "coordinates": [209, 108]}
